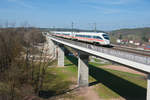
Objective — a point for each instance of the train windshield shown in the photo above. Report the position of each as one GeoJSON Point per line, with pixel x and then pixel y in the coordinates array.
{"type": "Point", "coordinates": [97, 37]}
{"type": "Point", "coordinates": [106, 36]}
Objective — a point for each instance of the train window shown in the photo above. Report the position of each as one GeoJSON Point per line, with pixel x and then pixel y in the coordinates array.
{"type": "Point", "coordinates": [87, 36]}
{"type": "Point", "coordinates": [79, 36]}
{"type": "Point", "coordinates": [97, 37]}
{"type": "Point", "coordinates": [82, 35]}
{"type": "Point", "coordinates": [106, 36]}
{"type": "Point", "coordinates": [66, 34]}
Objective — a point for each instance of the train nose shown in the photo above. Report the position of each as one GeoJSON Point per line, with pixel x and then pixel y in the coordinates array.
{"type": "Point", "coordinates": [107, 42]}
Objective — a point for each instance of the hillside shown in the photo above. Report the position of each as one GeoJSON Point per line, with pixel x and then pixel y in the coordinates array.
{"type": "Point", "coordinates": [139, 34]}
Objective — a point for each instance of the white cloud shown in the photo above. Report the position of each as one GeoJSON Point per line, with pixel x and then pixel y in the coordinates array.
{"type": "Point", "coordinates": [107, 6]}
{"type": "Point", "coordinates": [105, 10]}
{"type": "Point", "coordinates": [109, 2]}
{"type": "Point", "coordinates": [21, 3]}
{"type": "Point", "coordinates": [120, 2]}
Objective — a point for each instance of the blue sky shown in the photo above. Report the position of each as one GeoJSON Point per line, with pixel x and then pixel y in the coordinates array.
{"type": "Point", "coordinates": [107, 14]}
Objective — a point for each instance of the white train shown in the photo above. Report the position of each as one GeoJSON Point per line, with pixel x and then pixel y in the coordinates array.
{"type": "Point", "coordinates": [92, 37]}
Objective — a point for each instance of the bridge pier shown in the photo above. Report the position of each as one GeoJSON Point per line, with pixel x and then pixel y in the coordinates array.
{"type": "Point", "coordinates": [51, 46]}
{"type": "Point", "coordinates": [55, 51]}
{"type": "Point", "coordinates": [83, 70]}
{"type": "Point", "coordinates": [61, 55]}
{"type": "Point", "coordinates": [148, 87]}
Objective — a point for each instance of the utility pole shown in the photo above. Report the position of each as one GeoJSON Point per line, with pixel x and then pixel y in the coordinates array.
{"type": "Point", "coordinates": [95, 27]}
{"type": "Point", "coordinates": [72, 25]}
{"type": "Point", "coordinates": [53, 28]}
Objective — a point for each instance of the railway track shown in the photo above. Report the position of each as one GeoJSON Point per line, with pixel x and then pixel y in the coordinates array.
{"type": "Point", "coordinates": [116, 47]}
{"type": "Point", "coordinates": [132, 50]}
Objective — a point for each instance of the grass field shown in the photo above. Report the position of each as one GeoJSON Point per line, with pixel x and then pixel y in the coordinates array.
{"type": "Point", "coordinates": [58, 81]}
{"type": "Point", "coordinates": [116, 84]}
{"type": "Point", "coordinates": [107, 83]}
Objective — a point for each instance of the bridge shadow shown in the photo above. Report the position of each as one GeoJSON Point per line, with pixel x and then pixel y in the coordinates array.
{"type": "Point", "coordinates": [122, 87]}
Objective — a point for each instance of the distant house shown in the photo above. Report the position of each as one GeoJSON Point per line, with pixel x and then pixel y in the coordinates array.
{"type": "Point", "coordinates": [131, 41]}
{"type": "Point", "coordinates": [118, 41]}
{"type": "Point", "coordinates": [147, 48]}
{"type": "Point", "coordinates": [125, 41]}
{"type": "Point", "coordinates": [143, 45]}
{"type": "Point", "coordinates": [137, 43]}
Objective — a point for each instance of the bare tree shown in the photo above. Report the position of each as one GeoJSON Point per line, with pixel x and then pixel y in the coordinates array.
{"type": "Point", "coordinates": [17, 59]}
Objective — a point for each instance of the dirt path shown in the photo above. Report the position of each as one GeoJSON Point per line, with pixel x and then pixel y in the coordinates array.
{"type": "Point", "coordinates": [87, 93]}
{"type": "Point", "coordinates": [123, 68]}
{"type": "Point", "coordinates": [90, 94]}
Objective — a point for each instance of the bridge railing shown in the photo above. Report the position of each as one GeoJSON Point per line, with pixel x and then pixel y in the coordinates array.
{"type": "Point", "coordinates": [121, 54]}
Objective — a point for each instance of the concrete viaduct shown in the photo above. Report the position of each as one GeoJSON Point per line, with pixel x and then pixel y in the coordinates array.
{"type": "Point", "coordinates": [134, 61]}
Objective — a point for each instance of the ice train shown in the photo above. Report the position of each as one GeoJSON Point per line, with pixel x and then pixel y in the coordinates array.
{"type": "Point", "coordinates": [100, 38]}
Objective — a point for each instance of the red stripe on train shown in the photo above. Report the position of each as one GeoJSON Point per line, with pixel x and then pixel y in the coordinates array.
{"type": "Point", "coordinates": [89, 39]}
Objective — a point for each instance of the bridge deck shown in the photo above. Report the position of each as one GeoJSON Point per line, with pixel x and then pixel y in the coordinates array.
{"type": "Point", "coordinates": [132, 60]}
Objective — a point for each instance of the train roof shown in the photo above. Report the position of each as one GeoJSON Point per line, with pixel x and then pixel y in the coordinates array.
{"type": "Point", "coordinates": [90, 33]}
{"type": "Point", "coordinates": [83, 33]}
